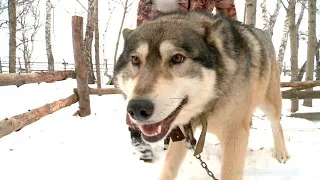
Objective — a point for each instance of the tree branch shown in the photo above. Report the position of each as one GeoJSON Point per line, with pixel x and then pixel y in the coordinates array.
{"type": "Point", "coordinates": [284, 6]}
{"type": "Point", "coordinates": [18, 4]}
{"type": "Point", "coordinates": [82, 5]}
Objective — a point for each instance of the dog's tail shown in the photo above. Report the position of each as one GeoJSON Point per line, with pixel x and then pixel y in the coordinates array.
{"type": "Point", "coordinates": [166, 5]}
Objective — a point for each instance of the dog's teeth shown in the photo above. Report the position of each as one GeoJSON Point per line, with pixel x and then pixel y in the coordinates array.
{"type": "Point", "coordinates": [159, 129]}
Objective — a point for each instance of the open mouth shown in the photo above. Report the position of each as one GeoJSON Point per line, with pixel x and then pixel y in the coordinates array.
{"type": "Point", "coordinates": [157, 131]}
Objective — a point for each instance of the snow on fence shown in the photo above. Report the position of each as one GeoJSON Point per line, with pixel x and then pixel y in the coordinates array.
{"type": "Point", "coordinates": [82, 92]}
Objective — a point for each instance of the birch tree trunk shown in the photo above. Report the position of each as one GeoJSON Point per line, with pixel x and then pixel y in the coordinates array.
{"type": "Point", "coordinates": [283, 45]}
{"type": "Point", "coordinates": [96, 43]}
{"type": "Point", "coordinates": [318, 61]}
{"type": "Point", "coordinates": [265, 19]}
{"type": "Point", "coordinates": [317, 65]}
{"type": "Point", "coordinates": [274, 17]}
{"type": "Point", "coordinates": [48, 36]}
{"type": "Point", "coordinates": [251, 7]}
{"type": "Point", "coordinates": [26, 52]}
{"type": "Point", "coordinates": [293, 32]}
{"type": "Point", "coordinates": [12, 35]}
{"type": "Point", "coordinates": [88, 41]}
{"type": "Point", "coordinates": [104, 45]}
{"type": "Point", "coordinates": [312, 42]}
{"type": "Point", "coordinates": [268, 23]}
{"type": "Point", "coordinates": [125, 8]}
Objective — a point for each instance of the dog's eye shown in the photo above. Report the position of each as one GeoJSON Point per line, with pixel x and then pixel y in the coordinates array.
{"type": "Point", "coordinates": [135, 60]}
{"type": "Point", "coordinates": [178, 58]}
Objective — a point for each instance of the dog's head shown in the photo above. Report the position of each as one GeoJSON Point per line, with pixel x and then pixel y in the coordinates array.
{"type": "Point", "coordinates": [167, 72]}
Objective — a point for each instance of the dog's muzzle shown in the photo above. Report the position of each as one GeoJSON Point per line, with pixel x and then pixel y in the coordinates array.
{"type": "Point", "coordinates": [142, 110]}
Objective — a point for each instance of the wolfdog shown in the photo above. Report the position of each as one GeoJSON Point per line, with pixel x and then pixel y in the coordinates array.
{"type": "Point", "coordinates": [184, 64]}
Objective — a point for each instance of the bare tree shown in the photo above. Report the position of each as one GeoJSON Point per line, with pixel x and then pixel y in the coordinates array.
{"type": "Point", "coordinates": [293, 33]}
{"type": "Point", "coordinates": [251, 7]}
{"type": "Point", "coordinates": [318, 61]}
{"type": "Point", "coordinates": [88, 41]}
{"type": "Point", "coordinates": [265, 18]}
{"type": "Point", "coordinates": [4, 23]}
{"type": "Point", "coordinates": [283, 45]}
{"type": "Point", "coordinates": [48, 36]}
{"type": "Point", "coordinates": [312, 42]}
{"type": "Point", "coordinates": [18, 3]}
{"type": "Point", "coordinates": [12, 35]}
{"type": "Point", "coordinates": [104, 41]}
{"type": "Point", "coordinates": [28, 26]}
{"type": "Point", "coordinates": [96, 44]}
{"type": "Point", "coordinates": [125, 6]}
{"type": "Point", "coordinates": [2, 8]}
{"type": "Point", "coordinates": [270, 22]}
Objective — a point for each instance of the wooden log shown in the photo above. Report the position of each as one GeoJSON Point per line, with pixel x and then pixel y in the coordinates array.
{"type": "Point", "coordinates": [103, 91]}
{"type": "Point", "coordinates": [300, 88]}
{"type": "Point", "coordinates": [36, 77]}
{"type": "Point", "coordinates": [80, 66]}
{"type": "Point", "coordinates": [309, 116]}
{"type": "Point", "coordinates": [300, 83]}
{"type": "Point", "coordinates": [292, 94]}
{"type": "Point", "coordinates": [17, 122]}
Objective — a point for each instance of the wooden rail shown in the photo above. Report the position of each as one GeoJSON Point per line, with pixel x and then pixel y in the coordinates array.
{"type": "Point", "coordinates": [309, 116]}
{"type": "Point", "coordinates": [300, 94]}
{"type": "Point", "coordinates": [17, 122]}
{"type": "Point", "coordinates": [37, 77]}
{"type": "Point", "coordinates": [300, 83]}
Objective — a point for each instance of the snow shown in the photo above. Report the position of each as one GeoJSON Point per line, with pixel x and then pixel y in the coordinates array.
{"type": "Point", "coordinates": [62, 146]}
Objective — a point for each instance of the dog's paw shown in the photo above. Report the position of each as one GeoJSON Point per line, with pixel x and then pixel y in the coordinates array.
{"type": "Point", "coordinates": [281, 155]}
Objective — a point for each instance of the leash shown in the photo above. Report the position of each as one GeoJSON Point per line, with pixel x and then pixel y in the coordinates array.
{"type": "Point", "coordinates": [191, 143]}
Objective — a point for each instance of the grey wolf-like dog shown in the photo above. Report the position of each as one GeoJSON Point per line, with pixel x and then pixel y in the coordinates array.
{"type": "Point", "coordinates": [181, 65]}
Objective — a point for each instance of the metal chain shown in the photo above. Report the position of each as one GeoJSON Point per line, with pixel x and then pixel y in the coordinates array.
{"type": "Point", "coordinates": [191, 143]}
{"type": "Point", "coordinates": [205, 166]}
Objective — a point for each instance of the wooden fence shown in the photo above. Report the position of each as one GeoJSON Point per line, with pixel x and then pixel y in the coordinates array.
{"type": "Point", "coordinates": [82, 92]}
{"type": "Point", "coordinates": [296, 92]}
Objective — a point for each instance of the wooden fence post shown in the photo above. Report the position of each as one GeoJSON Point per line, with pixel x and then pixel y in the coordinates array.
{"type": "Point", "coordinates": [80, 66]}
{"type": "Point", "coordinates": [64, 64]}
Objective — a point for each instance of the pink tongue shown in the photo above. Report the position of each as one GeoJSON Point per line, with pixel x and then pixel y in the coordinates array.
{"type": "Point", "coordinates": [150, 128]}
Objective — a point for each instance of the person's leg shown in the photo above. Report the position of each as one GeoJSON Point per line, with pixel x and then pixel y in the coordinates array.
{"type": "Point", "coordinates": [141, 148]}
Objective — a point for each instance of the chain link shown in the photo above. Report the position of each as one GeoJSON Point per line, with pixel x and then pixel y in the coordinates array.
{"type": "Point", "coordinates": [205, 166]}
{"type": "Point", "coordinates": [190, 143]}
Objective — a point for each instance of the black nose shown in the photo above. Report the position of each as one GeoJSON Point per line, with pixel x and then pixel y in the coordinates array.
{"type": "Point", "coordinates": [140, 110]}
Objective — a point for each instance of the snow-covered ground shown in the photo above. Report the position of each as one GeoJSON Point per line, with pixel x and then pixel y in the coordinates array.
{"type": "Point", "coordinates": [63, 147]}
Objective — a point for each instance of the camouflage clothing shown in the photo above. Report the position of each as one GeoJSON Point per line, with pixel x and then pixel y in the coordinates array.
{"type": "Point", "coordinates": [146, 10]}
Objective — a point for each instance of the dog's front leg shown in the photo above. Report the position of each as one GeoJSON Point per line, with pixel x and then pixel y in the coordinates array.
{"type": "Point", "coordinates": [174, 157]}
{"type": "Point", "coordinates": [233, 146]}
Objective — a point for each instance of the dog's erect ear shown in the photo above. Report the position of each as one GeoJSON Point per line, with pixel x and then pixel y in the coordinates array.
{"type": "Point", "coordinates": [208, 32]}
{"type": "Point", "coordinates": [126, 33]}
